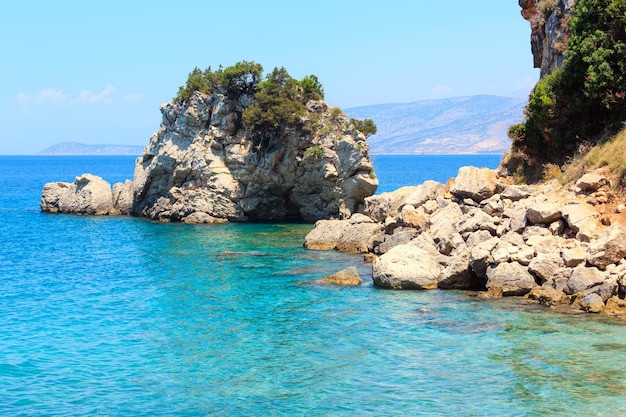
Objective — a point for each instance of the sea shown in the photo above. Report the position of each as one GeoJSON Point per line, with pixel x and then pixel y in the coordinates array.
{"type": "Point", "coordinates": [120, 316]}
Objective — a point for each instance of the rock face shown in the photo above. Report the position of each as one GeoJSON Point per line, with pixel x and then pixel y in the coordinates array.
{"type": "Point", "coordinates": [548, 24]}
{"type": "Point", "coordinates": [543, 242]}
{"type": "Point", "coordinates": [202, 166]}
{"type": "Point", "coordinates": [202, 162]}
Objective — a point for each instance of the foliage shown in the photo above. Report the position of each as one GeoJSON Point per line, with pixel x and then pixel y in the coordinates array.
{"type": "Point", "coordinates": [585, 100]}
{"type": "Point", "coordinates": [314, 152]}
{"type": "Point", "coordinates": [312, 89]}
{"type": "Point", "coordinates": [279, 101]}
{"type": "Point", "coordinates": [205, 82]}
{"type": "Point", "coordinates": [242, 78]}
{"type": "Point", "coordinates": [276, 106]}
{"type": "Point", "coordinates": [611, 154]}
{"type": "Point", "coordinates": [336, 112]}
{"type": "Point", "coordinates": [366, 126]}
{"type": "Point", "coordinates": [553, 172]}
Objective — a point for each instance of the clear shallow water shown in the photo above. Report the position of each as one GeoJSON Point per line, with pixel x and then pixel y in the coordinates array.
{"type": "Point", "coordinates": [120, 316]}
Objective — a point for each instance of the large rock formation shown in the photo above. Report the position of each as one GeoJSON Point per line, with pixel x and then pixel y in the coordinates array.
{"type": "Point", "coordinates": [548, 25]}
{"type": "Point", "coordinates": [203, 166]}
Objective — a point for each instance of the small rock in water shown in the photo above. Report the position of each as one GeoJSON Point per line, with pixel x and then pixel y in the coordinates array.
{"type": "Point", "coordinates": [348, 277]}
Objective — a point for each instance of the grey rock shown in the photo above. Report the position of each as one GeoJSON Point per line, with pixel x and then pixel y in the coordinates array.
{"type": "Point", "coordinates": [510, 279]}
{"type": "Point", "coordinates": [583, 278]}
{"type": "Point", "coordinates": [516, 192]}
{"type": "Point", "coordinates": [609, 248]}
{"type": "Point", "coordinates": [325, 234]}
{"type": "Point", "coordinates": [475, 183]}
{"type": "Point", "coordinates": [88, 194]}
{"type": "Point", "coordinates": [591, 182]}
{"type": "Point", "coordinates": [406, 267]}
{"type": "Point", "coordinates": [348, 277]}
{"type": "Point", "coordinates": [355, 237]}
{"type": "Point", "coordinates": [592, 303]}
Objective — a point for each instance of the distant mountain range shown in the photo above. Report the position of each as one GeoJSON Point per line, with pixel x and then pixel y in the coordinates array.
{"type": "Point", "coordinates": [475, 124]}
{"type": "Point", "coordinates": [76, 148]}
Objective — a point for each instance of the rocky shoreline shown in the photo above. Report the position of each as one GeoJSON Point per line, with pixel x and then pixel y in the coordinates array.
{"type": "Point", "coordinates": [549, 243]}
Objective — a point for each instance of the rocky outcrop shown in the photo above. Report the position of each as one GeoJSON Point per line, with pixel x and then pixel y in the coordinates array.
{"type": "Point", "coordinates": [88, 194]}
{"type": "Point", "coordinates": [548, 24]}
{"type": "Point", "coordinates": [203, 166]}
{"type": "Point", "coordinates": [544, 242]}
{"type": "Point", "coordinates": [202, 163]}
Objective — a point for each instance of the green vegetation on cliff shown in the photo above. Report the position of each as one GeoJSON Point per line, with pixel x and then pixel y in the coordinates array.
{"type": "Point", "coordinates": [584, 101]}
{"type": "Point", "coordinates": [279, 100]}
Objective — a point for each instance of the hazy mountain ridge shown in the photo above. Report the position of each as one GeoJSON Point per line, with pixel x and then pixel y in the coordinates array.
{"type": "Point", "coordinates": [475, 124]}
{"type": "Point", "coordinates": [76, 148]}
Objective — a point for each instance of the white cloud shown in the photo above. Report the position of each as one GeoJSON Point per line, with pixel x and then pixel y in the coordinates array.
{"type": "Point", "coordinates": [50, 95]}
{"type": "Point", "coordinates": [88, 96]}
{"type": "Point", "coordinates": [133, 98]}
{"type": "Point", "coordinates": [55, 96]}
{"type": "Point", "coordinates": [440, 90]}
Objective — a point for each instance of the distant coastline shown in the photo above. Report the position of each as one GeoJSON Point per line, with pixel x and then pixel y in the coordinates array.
{"type": "Point", "coordinates": [81, 149]}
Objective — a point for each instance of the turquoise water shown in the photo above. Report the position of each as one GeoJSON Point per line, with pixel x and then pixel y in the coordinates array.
{"type": "Point", "coordinates": [121, 316]}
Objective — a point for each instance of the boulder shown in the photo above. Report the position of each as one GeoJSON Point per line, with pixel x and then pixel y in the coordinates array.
{"type": "Point", "coordinates": [399, 237]}
{"type": "Point", "coordinates": [348, 277]}
{"type": "Point", "coordinates": [609, 248]}
{"type": "Point", "coordinates": [122, 194]}
{"type": "Point", "coordinates": [547, 295]}
{"type": "Point", "coordinates": [591, 182]}
{"type": "Point", "coordinates": [592, 303]}
{"type": "Point", "coordinates": [543, 211]}
{"type": "Point", "coordinates": [458, 273]}
{"type": "Point", "coordinates": [325, 234]}
{"type": "Point", "coordinates": [544, 266]}
{"type": "Point", "coordinates": [412, 217]}
{"type": "Point", "coordinates": [583, 278]}
{"type": "Point", "coordinates": [88, 194]}
{"type": "Point", "coordinates": [509, 279]}
{"type": "Point", "coordinates": [443, 228]}
{"type": "Point", "coordinates": [355, 237]}
{"type": "Point", "coordinates": [578, 215]}
{"type": "Point", "coordinates": [516, 192]}
{"type": "Point", "coordinates": [406, 267]}
{"type": "Point", "coordinates": [475, 183]}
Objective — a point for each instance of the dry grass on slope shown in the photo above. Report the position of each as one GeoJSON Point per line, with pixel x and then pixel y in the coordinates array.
{"type": "Point", "coordinates": [607, 159]}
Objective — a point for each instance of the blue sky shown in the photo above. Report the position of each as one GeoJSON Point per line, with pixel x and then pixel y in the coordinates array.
{"type": "Point", "coordinates": [96, 72]}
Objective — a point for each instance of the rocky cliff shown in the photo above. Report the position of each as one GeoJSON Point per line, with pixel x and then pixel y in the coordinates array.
{"type": "Point", "coordinates": [548, 24]}
{"type": "Point", "coordinates": [202, 166]}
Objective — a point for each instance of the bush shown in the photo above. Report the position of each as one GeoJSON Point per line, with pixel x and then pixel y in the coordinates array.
{"type": "Point", "coordinates": [585, 100]}
{"type": "Point", "coordinates": [366, 126]}
{"type": "Point", "coordinates": [312, 89]}
{"type": "Point", "coordinates": [314, 152]}
{"type": "Point", "coordinates": [276, 107]}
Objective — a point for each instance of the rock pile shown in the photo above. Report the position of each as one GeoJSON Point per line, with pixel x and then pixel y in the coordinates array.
{"type": "Point", "coordinates": [480, 232]}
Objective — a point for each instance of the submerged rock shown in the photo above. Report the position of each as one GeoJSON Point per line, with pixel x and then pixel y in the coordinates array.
{"type": "Point", "coordinates": [348, 277]}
